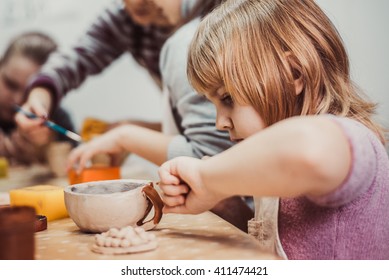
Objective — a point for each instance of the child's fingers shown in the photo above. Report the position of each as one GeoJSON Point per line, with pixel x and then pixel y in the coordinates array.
{"type": "Point", "coordinates": [172, 201]}
{"type": "Point", "coordinates": [173, 190]}
{"type": "Point", "coordinates": [40, 110]}
{"type": "Point", "coordinates": [27, 124]}
{"type": "Point", "coordinates": [85, 157]}
{"type": "Point", "coordinates": [181, 209]}
{"type": "Point", "coordinates": [74, 159]}
{"type": "Point", "coordinates": [166, 177]}
{"type": "Point", "coordinates": [38, 106]}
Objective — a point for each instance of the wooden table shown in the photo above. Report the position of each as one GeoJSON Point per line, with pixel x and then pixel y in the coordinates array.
{"type": "Point", "coordinates": [204, 236]}
{"type": "Point", "coordinates": [200, 237]}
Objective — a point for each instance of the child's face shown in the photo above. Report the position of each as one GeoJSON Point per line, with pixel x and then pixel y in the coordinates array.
{"type": "Point", "coordinates": [14, 75]}
{"type": "Point", "coordinates": [241, 121]}
{"type": "Point", "coordinates": [157, 12]}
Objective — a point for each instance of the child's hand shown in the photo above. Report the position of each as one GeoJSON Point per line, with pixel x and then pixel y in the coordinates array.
{"type": "Point", "coordinates": [37, 134]}
{"type": "Point", "coordinates": [183, 189]}
{"type": "Point", "coordinates": [108, 143]}
{"type": "Point", "coordinates": [39, 103]}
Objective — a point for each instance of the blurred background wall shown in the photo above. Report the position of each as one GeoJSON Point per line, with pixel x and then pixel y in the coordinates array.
{"type": "Point", "coordinates": [125, 91]}
{"type": "Point", "coordinates": [363, 26]}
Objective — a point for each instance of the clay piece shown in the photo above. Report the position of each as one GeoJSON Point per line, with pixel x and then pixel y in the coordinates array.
{"type": "Point", "coordinates": [126, 240]}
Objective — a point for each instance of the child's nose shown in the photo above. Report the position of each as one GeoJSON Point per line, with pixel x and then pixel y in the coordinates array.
{"type": "Point", "coordinates": [223, 123]}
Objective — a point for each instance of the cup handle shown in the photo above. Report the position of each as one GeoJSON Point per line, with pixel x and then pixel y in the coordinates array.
{"type": "Point", "coordinates": [156, 201]}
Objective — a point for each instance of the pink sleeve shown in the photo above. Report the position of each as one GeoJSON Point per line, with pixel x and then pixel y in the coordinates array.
{"type": "Point", "coordinates": [364, 164]}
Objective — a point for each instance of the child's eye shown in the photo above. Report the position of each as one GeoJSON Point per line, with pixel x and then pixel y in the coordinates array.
{"type": "Point", "coordinates": [226, 99]}
{"type": "Point", "coordinates": [10, 84]}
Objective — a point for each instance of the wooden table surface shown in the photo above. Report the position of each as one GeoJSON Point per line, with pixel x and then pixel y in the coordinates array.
{"type": "Point", "coordinates": [185, 237]}
{"type": "Point", "coordinates": [203, 236]}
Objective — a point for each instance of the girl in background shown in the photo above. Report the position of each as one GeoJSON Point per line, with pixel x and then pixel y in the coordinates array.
{"type": "Point", "coordinates": [278, 74]}
{"type": "Point", "coordinates": [22, 59]}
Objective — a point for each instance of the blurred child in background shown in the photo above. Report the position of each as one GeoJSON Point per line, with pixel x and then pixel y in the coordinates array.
{"type": "Point", "coordinates": [23, 58]}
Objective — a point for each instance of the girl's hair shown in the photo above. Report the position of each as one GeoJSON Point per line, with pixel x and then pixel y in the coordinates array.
{"type": "Point", "coordinates": [33, 45]}
{"type": "Point", "coordinates": [248, 46]}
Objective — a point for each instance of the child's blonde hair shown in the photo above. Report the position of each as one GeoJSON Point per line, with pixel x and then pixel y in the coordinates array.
{"type": "Point", "coordinates": [248, 46]}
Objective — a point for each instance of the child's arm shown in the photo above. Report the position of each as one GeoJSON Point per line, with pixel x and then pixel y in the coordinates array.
{"type": "Point", "coordinates": [298, 156]}
{"type": "Point", "coordinates": [147, 143]}
{"type": "Point", "coordinates": [303, 155]}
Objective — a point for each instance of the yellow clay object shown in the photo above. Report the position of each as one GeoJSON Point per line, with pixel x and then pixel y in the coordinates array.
{"type": "Point", "coordinates": [3, 167]}
{"type": "Point", "coordinates": [92, 127]}
{"type": "Point", "coordinates": [46, 199]}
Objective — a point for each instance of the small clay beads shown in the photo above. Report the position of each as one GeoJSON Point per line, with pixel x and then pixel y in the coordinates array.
{"type": "Point", "coordinates": [124, 240]}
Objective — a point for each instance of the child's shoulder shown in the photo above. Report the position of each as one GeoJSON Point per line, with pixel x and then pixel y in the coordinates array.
{"type": "Point", "coordinates": [370, 163]}
{"type": "Point", "coordinates": [354, 129]}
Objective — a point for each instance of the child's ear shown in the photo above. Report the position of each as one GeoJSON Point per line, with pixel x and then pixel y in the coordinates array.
{"type": "Point", "coordinates": [296, 70]}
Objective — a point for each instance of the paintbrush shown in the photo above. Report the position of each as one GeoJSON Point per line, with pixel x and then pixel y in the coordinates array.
{"type": "Point", "coordinates": [51, 125]}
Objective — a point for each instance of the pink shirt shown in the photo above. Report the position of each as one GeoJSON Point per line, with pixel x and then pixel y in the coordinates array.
{"type": "Point", "coordinates": [353, 221]}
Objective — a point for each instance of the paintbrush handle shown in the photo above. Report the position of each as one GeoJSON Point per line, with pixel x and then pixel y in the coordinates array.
{"type": "Point", "coordinates": [55, 127]}
{"type": "Point", "coordinates": [51, 125]}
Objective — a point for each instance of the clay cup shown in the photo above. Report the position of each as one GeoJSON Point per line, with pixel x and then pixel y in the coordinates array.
{"type": "Point", "coordinates": [100, 205]}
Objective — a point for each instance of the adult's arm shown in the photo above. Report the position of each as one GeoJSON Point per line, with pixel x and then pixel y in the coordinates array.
{"type": "Point", "coordinates": [104, 41]}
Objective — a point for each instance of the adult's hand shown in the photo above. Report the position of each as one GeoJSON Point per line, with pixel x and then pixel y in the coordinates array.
{"type": "Point", "coordinates": [39, 103]}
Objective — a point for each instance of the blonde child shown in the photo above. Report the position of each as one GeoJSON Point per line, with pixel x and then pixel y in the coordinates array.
{"type": "Point", "coordinates": [278, 74]}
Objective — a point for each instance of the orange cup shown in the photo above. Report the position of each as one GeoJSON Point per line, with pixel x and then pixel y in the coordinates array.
{"type": "Point", "coordinates": [95, 173]}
